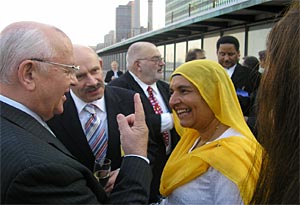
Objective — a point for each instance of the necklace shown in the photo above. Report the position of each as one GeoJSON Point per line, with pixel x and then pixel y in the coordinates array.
{"type": "Point", "coordinates": [213, 137]}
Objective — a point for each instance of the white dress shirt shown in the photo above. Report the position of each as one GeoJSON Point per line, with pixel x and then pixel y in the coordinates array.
{"type": "Point", "coordinates": [166, 117]}
{"type": "Point", "coordinates": [84, 116]}
{"type": "Point", "coordinates": [212, 187]}
{"type": "Point", "coordinates": [101, 112]}
{"type": "Point", "coordinates": [230, 70]}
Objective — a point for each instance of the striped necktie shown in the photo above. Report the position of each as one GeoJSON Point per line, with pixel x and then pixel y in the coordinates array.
{"type": "Point", "coordinates": [95, 132]}
{"type": "Point", "coordinates": [157, 110]}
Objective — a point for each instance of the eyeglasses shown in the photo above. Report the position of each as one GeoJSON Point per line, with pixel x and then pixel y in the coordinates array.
{"type": "Point", "coordinates": [71, 68]}
{"type": "Point", "coordinates": [156, 59]}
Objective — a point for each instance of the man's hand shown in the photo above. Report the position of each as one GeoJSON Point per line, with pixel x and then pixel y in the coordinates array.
{"type": "Point", "coordinates": [133, 130]}
{"type": "Point", "coordinates": [111, 182]}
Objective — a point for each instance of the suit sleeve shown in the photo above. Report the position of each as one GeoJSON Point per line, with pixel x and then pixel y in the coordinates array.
{"type": "Point", "coordinates": [61, 184]}
{"type": "Point", "coordinates": [108, 77]}
{"type": "Point", "coordinates": [133, 182]}
{"type": "Point", "coordinates": [55, 184]}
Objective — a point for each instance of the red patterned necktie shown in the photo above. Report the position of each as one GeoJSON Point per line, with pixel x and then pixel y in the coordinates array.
{"type": "Point", "coordinates": [157, 110]}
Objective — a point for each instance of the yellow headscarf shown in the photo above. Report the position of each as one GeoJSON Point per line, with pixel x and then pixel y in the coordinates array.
{"type": "Point", "coordinates": [237, 158]}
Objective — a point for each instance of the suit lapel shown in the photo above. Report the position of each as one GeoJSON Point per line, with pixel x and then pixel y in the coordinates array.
{"type": "Point", "coordinates": [71, 123]}
{"type": "Point", "coordinates": [133, 84]}
{"type": "Point", "coordinates": [237, 75]}
{"type": "Point", "coordinates": [30, 124]}
{"type": "Point", "coordinates": [112, 104]}
{"type": "Point", "coordinates": [164, 93]}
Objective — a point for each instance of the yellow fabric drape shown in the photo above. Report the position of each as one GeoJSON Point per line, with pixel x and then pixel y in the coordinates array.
{"type": "Point", "coordinates": [237, 158]}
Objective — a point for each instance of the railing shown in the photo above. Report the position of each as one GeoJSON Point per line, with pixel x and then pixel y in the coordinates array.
{"type": "Point", "coordinates": [197, 7]}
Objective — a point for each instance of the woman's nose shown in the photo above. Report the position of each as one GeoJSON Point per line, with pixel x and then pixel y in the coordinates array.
{"type": "Point", "coordinates": [173, 100]}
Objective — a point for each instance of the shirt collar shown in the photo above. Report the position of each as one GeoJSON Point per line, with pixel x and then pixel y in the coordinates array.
{"type": "Point", "coordinates": [143, 85]}
{"type": "Point", "coordinates": [80, 104]}
{"type": "Point", "coordinates": [22, 108]}
{"type": "Point", "coordinates": [230, 70]}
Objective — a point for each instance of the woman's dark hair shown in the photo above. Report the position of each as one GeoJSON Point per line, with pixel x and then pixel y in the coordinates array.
{"type": "Point", "coordinates": [278, 117]}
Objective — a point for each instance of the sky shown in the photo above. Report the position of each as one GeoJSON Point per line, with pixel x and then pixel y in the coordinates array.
{"type": "Point", "coordinates": [84, 21]}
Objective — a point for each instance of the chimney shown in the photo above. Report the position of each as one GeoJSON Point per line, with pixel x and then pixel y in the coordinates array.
{"type": "Point", "coordinates": [150, 15]}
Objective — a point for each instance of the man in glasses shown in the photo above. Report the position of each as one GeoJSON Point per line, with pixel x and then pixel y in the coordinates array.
{"type": "Point", "coordinates": [145, 71]}
{"type": "Point", "coordinates": [36, 70]}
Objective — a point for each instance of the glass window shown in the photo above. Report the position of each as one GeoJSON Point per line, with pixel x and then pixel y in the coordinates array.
{"type": "Point", "coordinates": [194, 44]}
{"type": "Point", "coordinates": [209, 46]}
{"type": "Point", "coordinates": [169, 60]}
{"type": "Point", "coordinates": [180, 53]}
{"type": "Point", "coordinates": [161, 50]}
{"type": "Point", "coordinates": [257, 36]}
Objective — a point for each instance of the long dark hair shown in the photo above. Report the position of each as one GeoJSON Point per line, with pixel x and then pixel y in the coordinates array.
{"type": "Point", "coordinates": [278, 117]}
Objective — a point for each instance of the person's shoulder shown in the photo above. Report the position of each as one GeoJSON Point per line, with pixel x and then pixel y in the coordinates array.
{"type": "Point", "coordinates": [109, 72]}
{"type": "Point", "coordinates": [121, 81]}
{"type": "Point", "coordinates": [243, 68]}
{"type": "Point", "coordinates": [163, 84]}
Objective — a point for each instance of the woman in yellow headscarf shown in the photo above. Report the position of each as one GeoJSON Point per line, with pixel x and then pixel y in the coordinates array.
{"type": "Point", "coordinates": [217, 160]}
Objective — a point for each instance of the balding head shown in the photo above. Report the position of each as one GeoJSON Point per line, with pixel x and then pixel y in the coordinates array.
{"type": "Point", "coordinates": [31, 70]}
{"type": "Point", "coordinates": [82, 52]}
{"type": "Point", "coordinates": [26, 40]}
{"type": "Point", "coordinates": [139, 50]}
{"type": "Point", "coordinates": [144, 60]}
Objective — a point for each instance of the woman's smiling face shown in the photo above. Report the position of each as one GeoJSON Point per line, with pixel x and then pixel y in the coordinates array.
{"type": "Point", "coordinates": [191, 108]}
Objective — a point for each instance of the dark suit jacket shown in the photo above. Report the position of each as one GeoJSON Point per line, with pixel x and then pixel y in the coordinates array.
{"type": "Point", "coordinates": [110, 74]}
{"type": "Point", "coordinates": [37, 168]}
{"type": "Point", "coordinates": [245, 79]}
{"type": "Point", "coordinates": [68, 129]}
{"type": "Point", "coordinates": [158, 148]}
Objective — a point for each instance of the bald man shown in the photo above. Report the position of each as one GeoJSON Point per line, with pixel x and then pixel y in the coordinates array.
{"type": "Point", "coordinates": [36, 70]}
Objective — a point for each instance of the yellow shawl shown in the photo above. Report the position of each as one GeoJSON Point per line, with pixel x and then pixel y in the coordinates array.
{"type": "Point", "coordinates": [239, 159]}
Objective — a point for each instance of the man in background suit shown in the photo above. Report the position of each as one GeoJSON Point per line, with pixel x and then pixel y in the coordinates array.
{"type": "Point", "coordinates": [113, 73]}
{"type": "Point", "coordinates": [245, 80]}
{"type": "Point", "coordinates": [36, 70]}
{"type": "Point", "coordinates": [145, 68]}
{"type": "Point", "coordinates": [110, 101]}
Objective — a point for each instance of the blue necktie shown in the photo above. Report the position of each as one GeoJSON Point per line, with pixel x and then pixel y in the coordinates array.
{"type": "Point", "coordinates": [95, 132]}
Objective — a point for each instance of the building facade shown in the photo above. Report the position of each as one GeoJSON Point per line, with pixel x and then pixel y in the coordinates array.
{"type": "Point", "coordinates": [124, 23]}
{"type": "Point", "coordinates": [248, 20]}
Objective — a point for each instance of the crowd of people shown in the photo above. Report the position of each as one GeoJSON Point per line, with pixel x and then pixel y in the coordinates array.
{"type": "Point", "coordinates": [187, 142]}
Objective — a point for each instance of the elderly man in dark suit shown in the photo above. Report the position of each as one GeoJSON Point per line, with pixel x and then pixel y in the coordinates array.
{"type": "Point", "coordinates": [36, 70]}
{"type": "Point", "coordinates": [245, 80]}
{"type": "Point", "coordinates": [113, 73]}
{"type": "Point", "coordinates": [145, 69]}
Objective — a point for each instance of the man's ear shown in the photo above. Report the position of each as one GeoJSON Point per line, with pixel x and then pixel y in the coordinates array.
{"type": "Point", "coordinates": [26, 74]}
{"type": "Point", "coordinates": [136, 65]}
